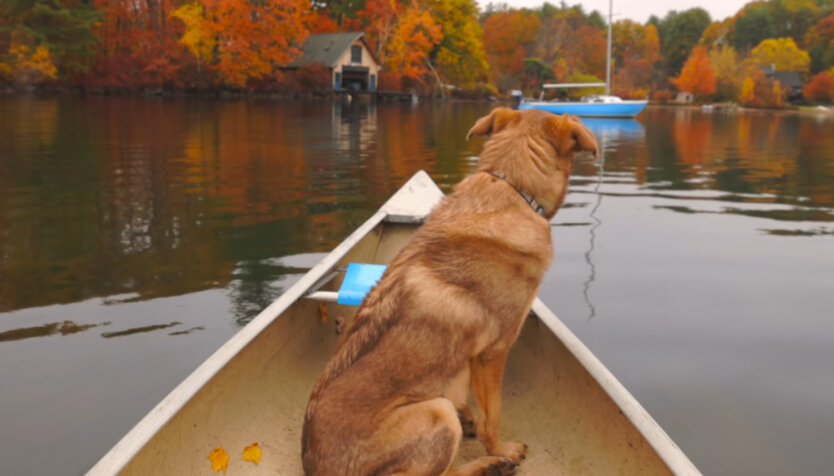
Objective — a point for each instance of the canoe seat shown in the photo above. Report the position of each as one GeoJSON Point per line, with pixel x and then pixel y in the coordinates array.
{"type": "Point", "coordinates": [359, 279]}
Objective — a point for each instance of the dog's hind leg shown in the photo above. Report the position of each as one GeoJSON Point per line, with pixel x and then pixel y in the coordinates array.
{"type": "Point", "coordinates": [419, 439]}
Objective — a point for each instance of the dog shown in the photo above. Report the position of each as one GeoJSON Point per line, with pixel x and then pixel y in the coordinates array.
{"type": "Point", "coordinates": [445, 314]}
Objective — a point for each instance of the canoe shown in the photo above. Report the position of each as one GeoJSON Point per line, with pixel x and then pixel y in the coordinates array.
{"type": "Point", "coordinates": [558, 398]}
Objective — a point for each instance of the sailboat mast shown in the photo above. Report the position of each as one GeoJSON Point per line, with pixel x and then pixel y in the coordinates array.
{"type": "Point", "coordinates": [608, 55]}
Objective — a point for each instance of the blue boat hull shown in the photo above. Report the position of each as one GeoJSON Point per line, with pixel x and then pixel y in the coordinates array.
{"type": "Point", "coordinates": [589, 109]}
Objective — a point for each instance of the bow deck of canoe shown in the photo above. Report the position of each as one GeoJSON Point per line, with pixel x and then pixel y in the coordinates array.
{"type": "Point", "coordinates": [558, 398]}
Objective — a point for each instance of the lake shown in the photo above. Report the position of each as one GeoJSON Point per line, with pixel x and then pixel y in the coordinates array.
{"type": "Point", "coordinates": [695, 259]}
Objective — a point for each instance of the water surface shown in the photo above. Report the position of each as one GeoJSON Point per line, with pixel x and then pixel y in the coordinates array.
{"type": "Point", "coordinates": [696, 260]}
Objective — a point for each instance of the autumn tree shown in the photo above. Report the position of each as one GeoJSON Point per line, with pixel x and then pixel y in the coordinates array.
{"type": "Point", "coordinates": [413, 37]}
{"type": "Point", "coordinates": [507, 35]}
{"type": "Point", "coordinates": [727, 72]}
{"type": "Point", "coordinates": [61, 31]}
{"type": "Point", "coordinates": [820, 43]}
{"type": "Point", "coordinates": [757, 90]}
{"type": "Point", "coordinates": [255, 38]}
{"type": "Point", "coordinates": [459, 56]}
{"type": "Point", "coordinates": [698, 74]}
{"type": "Point", "coordinates": [821, 87]}
{"type": "Point", "coordinates": [634, 57]}
{"type": "Point", "coordinates": [679, 32]}
{"type": "Point", "coordinates": [196, 36]}
{"type": "Point", "coordinates": [23, 64]}
{"type": "Point", "coordinates": [782, 54]}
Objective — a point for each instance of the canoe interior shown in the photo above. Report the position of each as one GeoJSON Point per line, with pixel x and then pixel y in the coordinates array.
{"type": "Point", "coordinates": [550, 401]}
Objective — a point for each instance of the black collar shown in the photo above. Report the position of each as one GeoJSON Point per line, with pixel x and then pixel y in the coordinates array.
{"type": "Point", "coordinates": [531, 200]}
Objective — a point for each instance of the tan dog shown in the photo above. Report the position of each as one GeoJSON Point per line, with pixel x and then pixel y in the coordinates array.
{"type": "Point", "coordinates": [445, 314]}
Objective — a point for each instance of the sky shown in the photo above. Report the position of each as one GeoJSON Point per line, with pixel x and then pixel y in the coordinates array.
{"type": "Point", "coordinates": [637, 10]}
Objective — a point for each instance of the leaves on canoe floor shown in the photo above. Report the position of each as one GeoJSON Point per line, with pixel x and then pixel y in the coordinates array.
{"type": "Point", "coordinates": [252, 453]}
{"type": "Point", "coordinates": [219, 459]}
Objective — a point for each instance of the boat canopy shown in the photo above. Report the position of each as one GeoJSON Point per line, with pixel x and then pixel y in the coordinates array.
{"type": "Point", "coordinates": [572, 85]}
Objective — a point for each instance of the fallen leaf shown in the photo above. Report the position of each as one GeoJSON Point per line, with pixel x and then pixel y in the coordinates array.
{"type": "Point", "coordinates": [323, 312]}
{"type": "Point", "coordinates": [219, 459]}
{"type": "Point", "coordinates": [252, 453]}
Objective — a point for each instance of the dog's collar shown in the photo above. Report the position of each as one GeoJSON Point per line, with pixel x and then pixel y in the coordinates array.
{"type": "Point", "coordinates": [531, 200]}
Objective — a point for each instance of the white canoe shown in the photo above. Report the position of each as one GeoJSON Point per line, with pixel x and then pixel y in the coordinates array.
{"type": "Point", "coordinates": [558, 397]}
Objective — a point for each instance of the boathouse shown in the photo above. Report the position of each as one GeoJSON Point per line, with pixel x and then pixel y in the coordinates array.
{"type": "Point", "coordinates": [352, 64]}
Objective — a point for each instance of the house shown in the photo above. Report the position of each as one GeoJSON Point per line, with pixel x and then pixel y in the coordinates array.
{"type": "Point", "coordinates": [684, 97]}
{"type": "Point", "coordinates": [791, 81]}
{"type": "Point", "coordinates": [352, 64]}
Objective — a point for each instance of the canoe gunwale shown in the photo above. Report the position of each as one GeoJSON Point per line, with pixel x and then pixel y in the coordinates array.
{"type": "Point", "coordinates": [664, 446]}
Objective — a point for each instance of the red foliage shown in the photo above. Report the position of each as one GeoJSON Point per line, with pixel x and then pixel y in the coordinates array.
{"type": "Point", "coordinates": [390, 81]}
{"type": "Point", "coordinates": [322, 23]}
{"type": "Point", "coordinates": [821, 87]}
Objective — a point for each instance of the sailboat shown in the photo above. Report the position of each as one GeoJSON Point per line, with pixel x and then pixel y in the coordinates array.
{"type": "Point", "coordinates": [597, 105]}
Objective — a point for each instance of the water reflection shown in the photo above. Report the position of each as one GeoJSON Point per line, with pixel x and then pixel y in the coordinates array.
{"type": "Point", "coordinates": [54, 328]}
{"type": "Point", "coordinates": [611, 129]}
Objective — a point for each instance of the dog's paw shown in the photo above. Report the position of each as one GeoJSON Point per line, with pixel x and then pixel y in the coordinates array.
{"type": "Point", "coordinates": [514, 450]}
{"type": "Point", "coordinates": [503, 467]}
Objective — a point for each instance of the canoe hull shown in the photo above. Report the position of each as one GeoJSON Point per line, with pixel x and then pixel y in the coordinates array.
{"type": "Point", "coordinates": [561, 401]}
{"type": "Point", "coordinates": [589, 109]}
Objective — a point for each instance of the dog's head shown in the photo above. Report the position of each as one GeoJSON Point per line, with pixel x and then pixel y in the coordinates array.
{"type": "Point", "coordinates": [565, 133]}
{"type": "Point", "coordinates": [534, 150]}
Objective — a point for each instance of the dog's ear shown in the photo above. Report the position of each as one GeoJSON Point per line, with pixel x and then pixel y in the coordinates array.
{"type": "Point", "coordinates": [495, 121]}
{"type": "Point", "coordinates": [571, 135]}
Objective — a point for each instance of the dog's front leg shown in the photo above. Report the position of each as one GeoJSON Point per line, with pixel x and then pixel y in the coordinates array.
{"type": "Point", "coordinates": [487, 375]}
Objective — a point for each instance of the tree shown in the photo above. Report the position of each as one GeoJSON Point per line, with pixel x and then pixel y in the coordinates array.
{"type": "Point", "coordinates": [506, 36]}
{"type": "Point", "coordinates": [27, 65]}
{"type": "Point", "coordinates": [63, 29]}
{"type": "Point", "coordinates": [679, 32]}
{"type": "Point", "coordinates": [698, 75]}
{"type": "Point", "coordinates": [753, 24]}
{"type": "Point", "coordinates": [459, 56]}
{"type": "Point", "coordinates": [821, 87]}
{"type": "Point", "coordinates": [782, 54]}
{"type": "Point", "coordinates": [635, 54]}
{"type": "Point", "coordinates": [792, 18]}
{"type": "Point", "coordinates": [757, 90]}
{"type": "Point", "coordinates": [196, 36]}
{"type": "Point", "coordinates": [415, 35]}
{"type": "Point", "coordinates": [255, 38]}
{"type": "Point", "coordinates": [820, 43]}
{"type": "Point", "coordinates": [727, 82]}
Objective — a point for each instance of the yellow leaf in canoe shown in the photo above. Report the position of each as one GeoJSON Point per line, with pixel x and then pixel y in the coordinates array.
{"type": "Point", "coordinates": [323, 312]}
{"type": "Point", "coordinates": [252, 453]}
{"type": "Point", "coordinates": [219, 459]}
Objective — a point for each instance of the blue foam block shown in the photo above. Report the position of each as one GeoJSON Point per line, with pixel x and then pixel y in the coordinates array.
{"type": "Point", "coordinates": [359, 279]}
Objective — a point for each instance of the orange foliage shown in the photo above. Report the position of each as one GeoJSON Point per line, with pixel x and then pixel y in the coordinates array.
{"type": "Point", "coordinates": [637, 50]}
{"type": "Point", "coordinates": [379, 20]}
{"type": "Point", "coordinates": [255, 38]}
{"type": "Point", "coordinates": [139, 44]}
{"type": "Point", "coordinates": [322, 23]}
{"type": "Point", "coordinates": [698, 74]}
{"type": "Point", "coordinates": [414, 36]}
{"type": "Point", "coordinates": [506, 34]}
{"type": "Point", "coordinates": [821, 87]}
{"type": "Point", "coordinates": [390, 81]}
{"type": "Point", "coordinates": [757, 90]}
